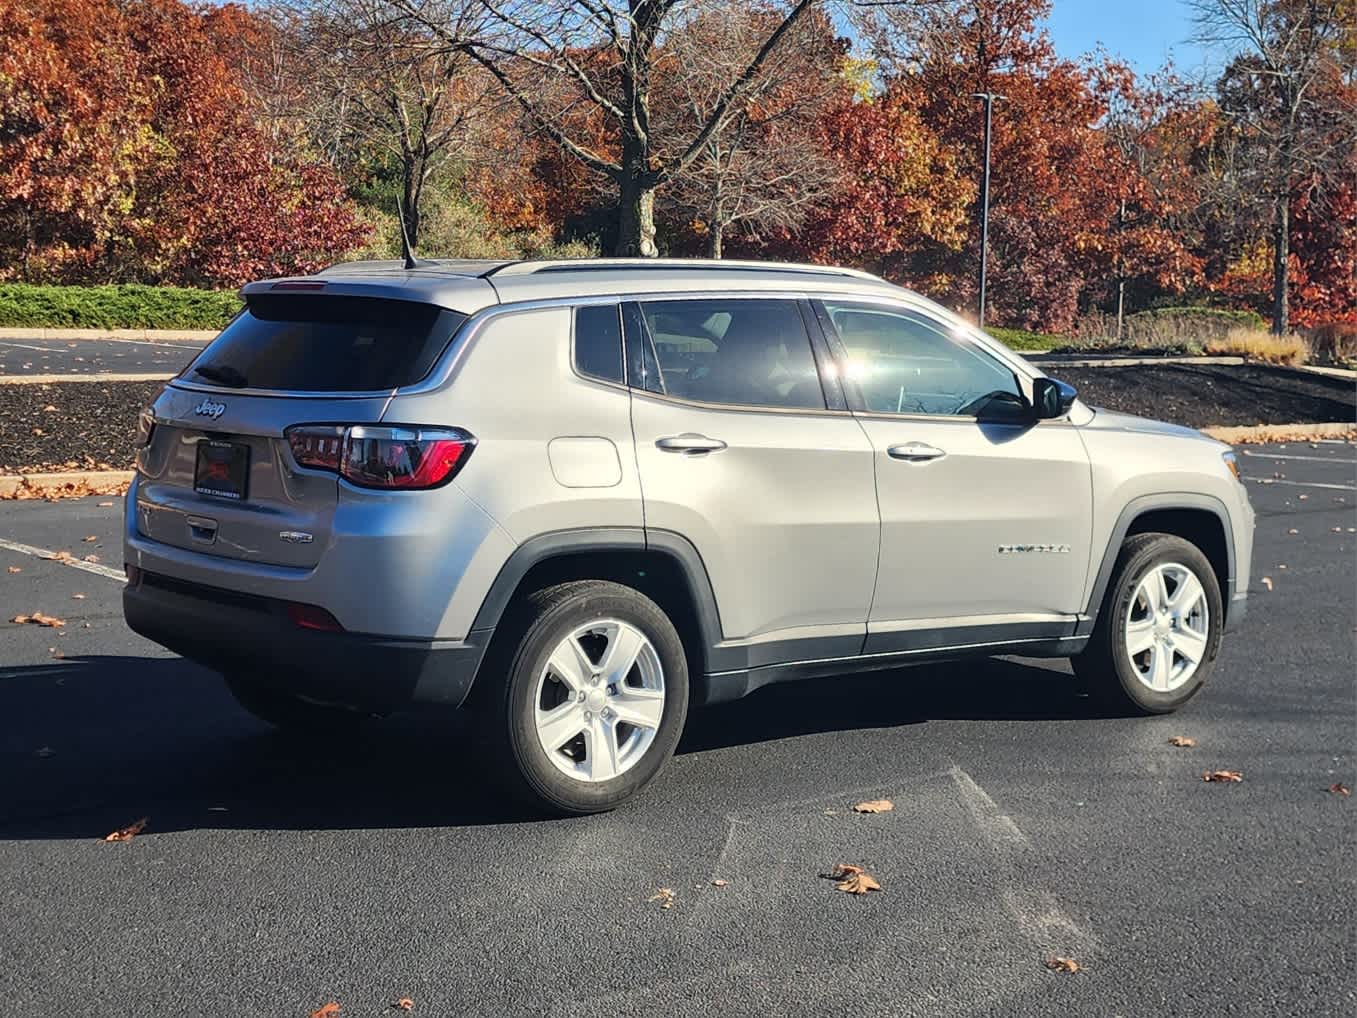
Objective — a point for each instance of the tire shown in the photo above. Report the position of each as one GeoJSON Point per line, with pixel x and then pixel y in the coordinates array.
{"type": "Point", "coordinates": [545, 680]}
{"type": "Point", "coordinates": [287, 712]}
{"type": "Point", "coordinates": [1127, 682]}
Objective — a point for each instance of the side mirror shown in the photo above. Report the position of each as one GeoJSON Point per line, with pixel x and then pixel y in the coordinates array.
{"type": "Point", "coordinates": [1051, 398]}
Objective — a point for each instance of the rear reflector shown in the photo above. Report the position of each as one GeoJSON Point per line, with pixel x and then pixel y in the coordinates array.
{"type": "Point", "coordinates": [387, 458]}
{"type": "Point", "coordinates": [310, 616]}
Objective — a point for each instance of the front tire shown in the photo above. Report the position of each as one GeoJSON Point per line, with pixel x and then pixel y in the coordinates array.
{"type": "Point", "coordinates": [595, 698]}
{"type": "Point", "coordinates": [1155, 642]}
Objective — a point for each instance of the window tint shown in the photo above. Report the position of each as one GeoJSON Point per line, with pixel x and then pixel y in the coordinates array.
{"type": "Point", "coordinates": [906, 363]}
{"type": "Point", "coordinates": [735, 352]}
{"type": "Point", "coordinates": [326, 344]}
{"type": "Point", "coordinates": [598, 342]}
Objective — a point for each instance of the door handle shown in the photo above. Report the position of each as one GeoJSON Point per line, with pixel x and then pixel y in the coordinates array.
{"type": "Point", "coordinates": [690, 444]}
{"type": "Point", "coordinates": [915, 452]}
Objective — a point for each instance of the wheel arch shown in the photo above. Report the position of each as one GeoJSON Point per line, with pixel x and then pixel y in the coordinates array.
{"type": "Point", "coordinates": [662, 565]}
{"type": "Point", "coordinates": [1202, 520]}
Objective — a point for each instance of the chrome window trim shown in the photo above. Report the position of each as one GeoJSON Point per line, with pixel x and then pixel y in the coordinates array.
{"type": "Point", "coordinates": [739, 408]}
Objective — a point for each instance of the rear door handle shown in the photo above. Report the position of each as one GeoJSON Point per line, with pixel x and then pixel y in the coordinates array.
{"type": "Point", "coordinates": [915, 452]}
{"type": "Point", "coordinates": [689, 443]}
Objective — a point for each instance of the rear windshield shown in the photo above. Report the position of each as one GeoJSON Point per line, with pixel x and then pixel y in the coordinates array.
{"type": "Point", "coordinates": [326, 344]}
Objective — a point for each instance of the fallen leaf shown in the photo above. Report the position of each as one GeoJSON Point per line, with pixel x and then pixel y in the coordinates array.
{"type": "Point", "coordinates": [1224, 776]}
{"type": "Point", "coordinates": [874, 806]}
{"type": "Point", "coordinates": [63, 556]}
{"type": "Point", "coordinates": [104, 505]}
{"type": "Point", "coordinates": [719, 883]}
{"type": "Point", "coordinates": [90, 558]}
{"type": "Point", "coordinates": [15, 569]}
{"type": "Point", "coordinates": [853, 879]}
{"type": "Point", "coordinates": [48, 409]}
{"type": "Point", "coordinates": [1340, 789]}
{"type": "Point", "coordinates": [127, 833]}
{"type": "Point", "coordinates": [89, 539]}
{"type": "Point", "coordinates": [404, 1004]}
{"type": "Point", "coordinates": [1336, 530]}
{"type": "Point", "coordinates": [57, 654]}
{"type": "Point", "coordinates": [39, 619]}
{"type": "Point", "coordinates": [77, 597]}
{"type": "Point", "coordinates": [326, 1010]}
{"type": "Point", "coordinates": [1061, 964]}
{"type": "Point", "coordinates": [664, 896]}
{"type": "Point", "coordinates": [1267, 582]}
{"type": "Point", "coordinates": [1293, 530]}
{"type": "Point", "coordinates": [1185, 741]}
{"type": "Point", "coordinates": [1303, 497]}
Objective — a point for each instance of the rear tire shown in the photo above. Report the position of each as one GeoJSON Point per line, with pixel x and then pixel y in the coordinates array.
{"type": "Point", "coordinates": [287, 712]}
{"type": "Point", "coordinates": [595, 696]}
{"type": "Point", "coordinates": [1158, 630]}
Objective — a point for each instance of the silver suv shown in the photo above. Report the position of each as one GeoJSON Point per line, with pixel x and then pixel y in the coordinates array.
{"type": "Point", "coordinates": [579, 497]}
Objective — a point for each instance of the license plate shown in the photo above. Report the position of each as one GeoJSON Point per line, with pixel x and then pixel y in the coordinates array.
{"type": "Point", "coordinates": [223, 469]}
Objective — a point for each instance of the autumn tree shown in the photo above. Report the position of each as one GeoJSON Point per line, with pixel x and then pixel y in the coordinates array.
{"type": "Point", "coordinates": [555, 58]}
{"type": "Point", "coordinates": [762, 173]}
{"type": "Point", "coordinates": [1288, 50]}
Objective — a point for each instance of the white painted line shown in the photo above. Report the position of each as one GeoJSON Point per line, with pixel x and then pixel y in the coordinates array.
{"type": "Point", "coordinates": [25, 346]}
{"type": "Point", "coordinates": [1307, 459]}
{"type": "Point", "coordinates": [1302, 484]}
{"type": "Point", "coordinates": [74, 563]}
{"type": "Point", "coordinates": [1036, 910]}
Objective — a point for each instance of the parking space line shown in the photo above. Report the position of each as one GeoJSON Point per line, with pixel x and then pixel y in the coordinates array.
{"type": "Point", "coordinates": [1301, 484]}
{"type": "Point", "coordinates": [1036, 910]}
{"type": "Point", "coordinates": [90, 567]}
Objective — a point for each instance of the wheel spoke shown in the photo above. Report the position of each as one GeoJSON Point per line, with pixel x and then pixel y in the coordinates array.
{"type": "Point", "coordinates": [1161, 661]}
{"type": "Point", "coordinates": [600, 753]}
{"type": "Point", "coordinates": [571, 664]}
{"type": "Point", "coordinates": [1160, 598]}
{"type": "Point", "coordinates": [1190, 644]}
{"type": "Point", "coordinates": [624, 647]}
{"type": "Point", "coordinates": [642, 708]}
{"type": "Point", "coordinates": [1139, 636]}
{"type": "Point", "coordinates": [1187, 594]}
{"type": "Point", "coordinates": [559, 725]}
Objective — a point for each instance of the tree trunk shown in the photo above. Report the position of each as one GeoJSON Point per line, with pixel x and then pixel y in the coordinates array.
{"type": "Point", "coordinates": [411, 188]}
{"type": "Point", "coordinates": [715, 236]}
{"type": "Point", "coordinates": [1281, 251]}
{"type": "Point", "coordinates": [636, 220]}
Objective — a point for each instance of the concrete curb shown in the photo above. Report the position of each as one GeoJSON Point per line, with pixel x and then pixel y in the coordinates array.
{"type": "Point", "coordinates": [1281, 433]}
{"type": "Point", "coordinates": [102, 481]}
{"type": "Point", "coordinates": [137, 335]}
{"type": "Point", "coordinates": [153, 376]}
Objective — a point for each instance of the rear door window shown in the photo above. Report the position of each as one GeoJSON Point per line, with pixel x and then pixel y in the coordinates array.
{"type": "Point", "coordinates": [306, 343]}
{"type": "Point", "coordinates": [736, 352]}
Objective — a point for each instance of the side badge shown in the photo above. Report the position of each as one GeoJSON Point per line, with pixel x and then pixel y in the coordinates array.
{"type": "Point", "coordinates": [295, 536]}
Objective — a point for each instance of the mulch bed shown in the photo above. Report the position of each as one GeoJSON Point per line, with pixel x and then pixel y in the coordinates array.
{"type": "Point", "coordinates": [71, 425]}
{"type": "Point", "coordinates": [1202, 395]}
{"type": "Point", "coordinates": [93, 426]}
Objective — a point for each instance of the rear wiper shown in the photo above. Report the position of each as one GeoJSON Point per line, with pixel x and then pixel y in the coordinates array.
{"type": "Point", "coordinates": [223, 374]}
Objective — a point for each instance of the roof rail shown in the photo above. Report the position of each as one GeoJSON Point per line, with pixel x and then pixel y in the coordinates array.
{"type": "Point", "coordinates": [529, 268]}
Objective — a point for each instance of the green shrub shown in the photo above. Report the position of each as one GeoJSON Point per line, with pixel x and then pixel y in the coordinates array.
{"type": "Point", "coordinates": [126, 306]}
{"type": "Point", "coordinates": [1204, 322]}
{"type": "Point", "coordinates": [1022, 339]}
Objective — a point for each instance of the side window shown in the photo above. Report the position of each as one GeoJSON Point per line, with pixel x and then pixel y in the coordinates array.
{"type": "Point", "coordinates": [907, 363]}
{"type": "Point", "coordinates": [598, 342]}
{"type": "Point", "coordinates": [734, 352]}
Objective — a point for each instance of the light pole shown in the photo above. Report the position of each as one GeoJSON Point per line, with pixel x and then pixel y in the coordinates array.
{"type": "Point", "coordinates": [989, 100]}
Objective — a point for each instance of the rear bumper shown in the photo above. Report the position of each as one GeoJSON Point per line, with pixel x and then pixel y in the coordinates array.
{"type": "Point", "coordinates": [231, 632]}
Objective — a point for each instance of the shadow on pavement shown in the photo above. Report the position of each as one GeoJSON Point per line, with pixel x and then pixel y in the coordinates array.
{"type": "Point", "coordinates": [88, 745]}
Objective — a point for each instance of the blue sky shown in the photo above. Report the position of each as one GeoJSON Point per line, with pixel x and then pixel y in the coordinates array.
{"type": "Point", "coordinates": [1143, 32]}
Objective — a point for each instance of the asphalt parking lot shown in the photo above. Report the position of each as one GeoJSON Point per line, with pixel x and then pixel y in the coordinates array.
{"type": "Point", "coordinates": [35, 356]}
{"type": "Point", "coordinates": [274, 876]}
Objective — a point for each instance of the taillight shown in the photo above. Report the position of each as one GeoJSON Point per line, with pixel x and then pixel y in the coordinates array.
{"type": "Point", "coordinates": [145, 427]}
{"type": "Point", "coordinates": [390, 458]}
